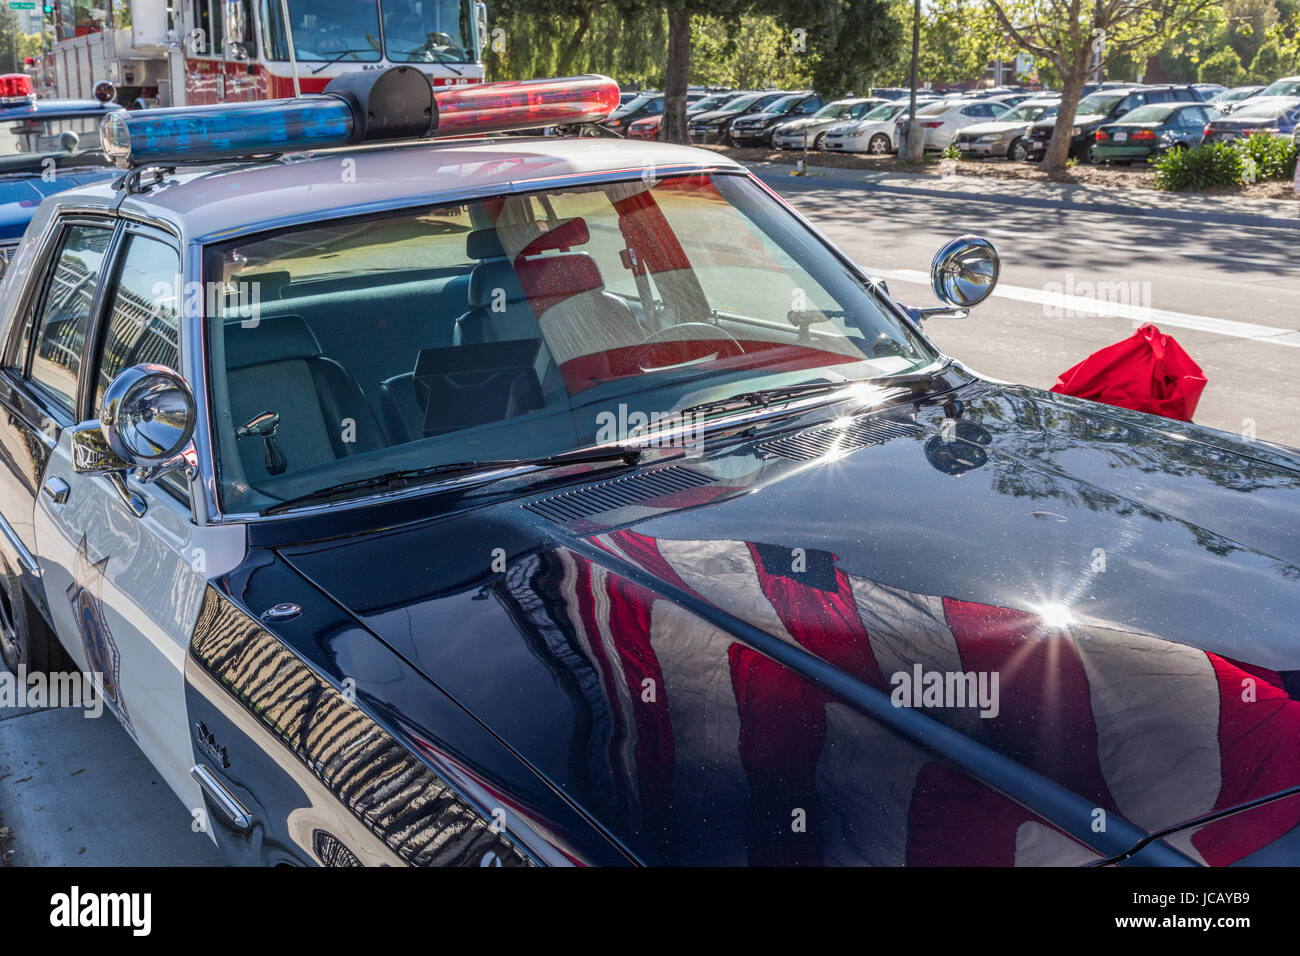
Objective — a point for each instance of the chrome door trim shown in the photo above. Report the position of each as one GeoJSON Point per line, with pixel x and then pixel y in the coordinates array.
{"type": "Point", "coordinates": [27, 559]}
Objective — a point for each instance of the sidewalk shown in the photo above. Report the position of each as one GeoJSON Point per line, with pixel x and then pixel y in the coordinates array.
{"type": "Point", "coordinates": [1230, 210]}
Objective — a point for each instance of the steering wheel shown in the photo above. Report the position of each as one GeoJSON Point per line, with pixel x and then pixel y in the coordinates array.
{"type": "Point", "coordinates": [663, 350]}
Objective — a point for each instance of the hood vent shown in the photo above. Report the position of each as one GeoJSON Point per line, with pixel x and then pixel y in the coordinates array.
{"type": "Point", "coordinates": [807, 446]}
{"type": "Point", "coordinates": [617, 493]}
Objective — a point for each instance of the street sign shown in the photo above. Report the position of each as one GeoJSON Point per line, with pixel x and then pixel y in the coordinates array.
{"type": "Point", "coordinates": [22, 4]}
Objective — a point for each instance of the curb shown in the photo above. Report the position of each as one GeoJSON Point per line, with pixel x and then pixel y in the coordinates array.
{"type": "Point", "coordinates": [1038, 202]}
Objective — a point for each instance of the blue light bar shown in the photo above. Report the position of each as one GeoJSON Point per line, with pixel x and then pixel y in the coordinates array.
{"type": "Point", "coordinates": [226, 131]}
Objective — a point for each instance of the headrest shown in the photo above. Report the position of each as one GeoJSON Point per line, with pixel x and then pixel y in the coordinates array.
{"type": "Point", "coordinates": [279, 339]}
{"type": "Point", "coordinates": [270, 285]}
{"type": "Point", "coordinates": [563, 235]}
{"type": "Point", "coordinates": [484, 244]}
{"type": "Point", "coordinates": [489, 276]}
{"type": "Point", "coordinates": [550, 280]}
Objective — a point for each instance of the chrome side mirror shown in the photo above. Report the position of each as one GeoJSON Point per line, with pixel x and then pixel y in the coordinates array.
{"type": "Point", "coordinates": [962, 275]}
{"type": "Point", "coordinates": [236, 28]}
{"type": "Point", "coordinates": [146, 423]}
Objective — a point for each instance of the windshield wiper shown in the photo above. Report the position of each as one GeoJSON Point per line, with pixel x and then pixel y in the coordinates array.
{"type": "Point", "coordinates": [396, 480]}
{"type": "Point", "coordinates": [340, 55]}
{"type": "Point", "coordinates": [771, 396]}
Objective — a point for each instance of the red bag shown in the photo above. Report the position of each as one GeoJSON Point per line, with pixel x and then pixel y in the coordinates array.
{"type": "Point", "coordinates": [1147, 372]}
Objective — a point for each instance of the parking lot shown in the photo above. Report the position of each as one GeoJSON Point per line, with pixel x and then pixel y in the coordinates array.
{"type": "Point", "coordinates": [1210, 285]}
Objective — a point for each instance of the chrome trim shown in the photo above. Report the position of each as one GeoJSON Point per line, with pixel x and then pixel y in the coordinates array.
{"type": "Point", "coordinates": [220, 796]}
{"type": "Point", "coordinates": [26, 557]}
{"type": "Point", "coordinates": [56, 489]}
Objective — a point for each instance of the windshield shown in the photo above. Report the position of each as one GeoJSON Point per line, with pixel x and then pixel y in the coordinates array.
{"type": "Point", "coordinates": [764, 102]}
{"type": "Point", "coordinates": [33, 135]}
{"type": "Point", "coordinates": [515, 326]}
{"type": "Point", "coordinates": [1027, 114]}
{"type": "Point", "coordinates": [1289, 86]}
{"type": "Point", "coordinates": [742, 102]}
{"type": "Point", "coordinates": [349, 31]}
{"type": "Point", "coordinates": [426, 31]}
{"type": "Point", "coordinates": [887, 111]}
{"type": "Point", "coordinates": [784, 104]}
{"type": "Point", "coordinates": [934, 109]}
{"type": "Point", "coordinates": [1148, 114]}
{"type": "Point", "coordinates": [1097, 104]}
{"type": "Point", "coordinates": [708, 103]}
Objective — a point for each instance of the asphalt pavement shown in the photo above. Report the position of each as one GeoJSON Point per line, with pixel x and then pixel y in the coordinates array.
{"type": "Point", "coordinates": [1076, 279]}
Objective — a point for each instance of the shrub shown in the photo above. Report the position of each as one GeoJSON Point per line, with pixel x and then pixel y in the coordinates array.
{"type": "Point", "coordinates": [1211, 166]}
{"type": "Point", "coordinates": [1223, 67]}
{"type": "Point", "coordinates": [1273, 158]}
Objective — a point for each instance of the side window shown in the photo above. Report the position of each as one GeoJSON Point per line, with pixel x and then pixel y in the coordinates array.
{"type": "Point", "coordinates": [1132, 101]}
{"type": "Point", "coordinates": [65, 314]}
{"type": "Point", "coordinates": [1160, 96]}
{"type": "Point", "coordinates": [143, 323]}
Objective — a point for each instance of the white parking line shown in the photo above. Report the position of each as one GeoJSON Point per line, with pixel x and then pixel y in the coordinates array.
{"type": "Point", "coordinates": [1085, 305]}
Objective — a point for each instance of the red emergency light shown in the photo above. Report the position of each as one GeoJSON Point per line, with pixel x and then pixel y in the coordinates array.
{"type": "Point", "coordinates": [524, 104]}
{"type": "Point", "coordinates": [16, 89]}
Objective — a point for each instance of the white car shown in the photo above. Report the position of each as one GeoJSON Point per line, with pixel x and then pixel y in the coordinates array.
{"type": "Point", "coordinates": [808, 130]}
{"type": "Point", "coordinates": [877, 132]}
{"type": "Point", "coordinates": [942, 120]}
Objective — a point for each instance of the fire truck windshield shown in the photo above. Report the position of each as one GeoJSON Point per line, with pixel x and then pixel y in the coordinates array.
{"type": "Point", "coordinates": [352, 31]}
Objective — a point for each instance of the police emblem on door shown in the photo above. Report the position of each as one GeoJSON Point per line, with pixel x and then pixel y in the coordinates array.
{"type": "Point", "coordinates": [102, 659]}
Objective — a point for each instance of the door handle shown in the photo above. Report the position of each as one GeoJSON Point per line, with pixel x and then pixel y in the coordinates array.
{"type": "Point", "coordinates": [57, 490]}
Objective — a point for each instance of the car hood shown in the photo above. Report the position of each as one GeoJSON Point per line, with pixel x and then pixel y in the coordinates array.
{"type": "Point", "coordinates": [711, 115]}
{"type": "Point", "coordinates": [20, 197]}
{"type": "Point", "coordinates": [996, 126]}
{"type": "Point", "coordinates": [761, 654]}
{"type": "Point", "coordinates": [1085, 120]}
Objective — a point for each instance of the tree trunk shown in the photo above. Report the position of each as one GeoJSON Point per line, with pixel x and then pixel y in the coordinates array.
{"type": "Point", "coordinates": [915, 134]}
{"type": "Point", "coordinates": [1058, 148]}
{"type": "Point", "coordinates": [672, 129]}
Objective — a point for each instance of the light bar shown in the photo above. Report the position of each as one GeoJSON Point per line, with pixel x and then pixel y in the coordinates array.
{"type": "Point", "coordinates": [16, 89]}
{"type": "Point", "coordinates": [362, 107]}
{"type": "Point", "coordinates": [228, 131]}
{"type": "Point", "coordinates": [524, 104]}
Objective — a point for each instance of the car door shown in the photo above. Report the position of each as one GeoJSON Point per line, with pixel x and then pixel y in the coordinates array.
{"type": "Point", "coordinates": [124, 564]}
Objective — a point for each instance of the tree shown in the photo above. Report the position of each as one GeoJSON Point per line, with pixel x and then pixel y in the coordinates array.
{"type": "Point", "coordinates": [748, 53]}
{"type": "Point", "coordinates": [1268, 63]}
{"type": "Point", "coordinates": [1223, 67]}
{"type": "Point", "coordinates": [1080, 36]}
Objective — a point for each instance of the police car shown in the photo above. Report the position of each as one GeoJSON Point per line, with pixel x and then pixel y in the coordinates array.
{"type": "Point", "coordinates": [414, 495]}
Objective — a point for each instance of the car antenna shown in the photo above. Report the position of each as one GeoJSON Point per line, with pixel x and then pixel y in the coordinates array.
{"type": "Point", "coordinates": [293, 52]}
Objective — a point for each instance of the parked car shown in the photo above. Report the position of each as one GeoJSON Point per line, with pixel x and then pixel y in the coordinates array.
{"type": "Point", "coordinates": [46, 147]}
{"type": "Point", "coordinates": [646, 128]}
{"type": "Point", "coordinates": [941, 121]}
{"type": "Point", "coordinates": [647, 104]}
{"type": "Point", "coordinates": [374, 574]}
{"type": "Point", "coordinates": [755, 129]}
{"type": "Point", "coordinates": [807, 131]}
{"type": "Point", "coordinates": [713, 126]}
{"type": "Point", "coordinates": [1105, 106]}
{"type": "Point", "coordinates": [1228, 100]}
{"type": "Point", "coordinates": [712, 101]}
{"type": "Point", "coordinates": [1275, 116]}
{"type": "Point", "coordinates": [1287, 86]}
{"type": "Point", "coordinates": [1148, 131]}
{"type": "Point", "coordinates": [1006, 135]}
{"type": "Point", "coordinates": [877, 132]}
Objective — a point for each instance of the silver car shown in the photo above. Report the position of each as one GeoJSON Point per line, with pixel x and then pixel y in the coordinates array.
{"type": "Point", "coordinates": [1005, 136]}
{"type": "Point", "coordinates": [808, 130]}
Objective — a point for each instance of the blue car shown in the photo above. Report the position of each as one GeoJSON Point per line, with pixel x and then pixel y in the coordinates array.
{"type": "Point", "coordinates": [46, 147]}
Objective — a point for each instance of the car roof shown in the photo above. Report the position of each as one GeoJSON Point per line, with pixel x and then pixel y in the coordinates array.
{"type": "Point", "coordinates": [205, 204]}
{"type": "Point", "coordinates": [54, 109]}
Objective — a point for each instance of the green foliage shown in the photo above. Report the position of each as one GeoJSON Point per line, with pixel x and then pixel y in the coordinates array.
{"type": "Point", "coordinates": [751, 53]}
{"type": "Point", "coordinates": [1268, 63]}
{"type": "Point", "coordinates": [1266, 157]}
{"type": "Point", "coordinates": [1212, 166]}
{"type": "Point", "coordinates": [952, 152]}
{"type": "Point", "coordinates": [1223, 67]}
{"type": "Point", "coordinates": [1217, 165]}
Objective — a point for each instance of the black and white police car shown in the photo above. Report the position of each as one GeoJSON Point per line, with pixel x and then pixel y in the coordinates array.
{"type": "Point", "coordinates": [416, 495]}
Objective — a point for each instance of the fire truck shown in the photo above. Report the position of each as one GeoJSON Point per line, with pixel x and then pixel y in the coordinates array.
{"type": "Point", "coordinates": [196, 52]}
